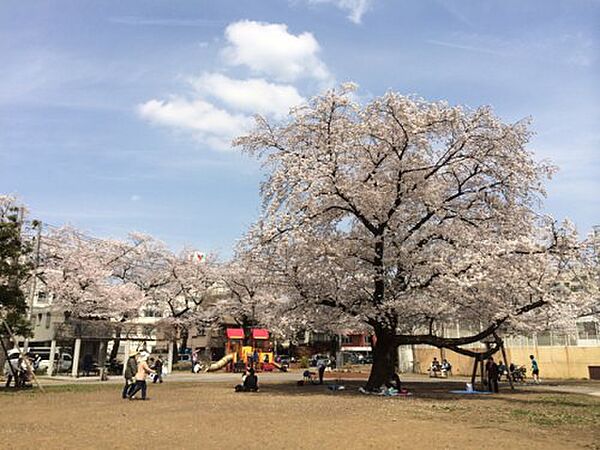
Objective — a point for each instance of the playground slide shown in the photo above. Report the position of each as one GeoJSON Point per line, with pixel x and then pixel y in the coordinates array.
{"type": "Point", "coordinates": [280, 367]}
{"type": "Point", "coordinates": [220, 363]}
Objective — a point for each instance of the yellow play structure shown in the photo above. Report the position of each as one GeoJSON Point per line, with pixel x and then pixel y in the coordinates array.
{"type": "Point", "coordinates": [238, 356]}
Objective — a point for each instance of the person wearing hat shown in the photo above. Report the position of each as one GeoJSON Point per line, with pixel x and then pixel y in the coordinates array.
{"type": "Point", "coordinates": [140, 376]}
{"type": "Point", "coordinates": [129, 374]}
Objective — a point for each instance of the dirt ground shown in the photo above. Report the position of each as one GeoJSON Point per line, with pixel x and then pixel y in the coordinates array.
{"type": "Point", "coordinates": [212, 416]}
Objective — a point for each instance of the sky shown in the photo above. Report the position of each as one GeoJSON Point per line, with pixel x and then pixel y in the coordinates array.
{"type": "Point", "coordinates": [118, 116]}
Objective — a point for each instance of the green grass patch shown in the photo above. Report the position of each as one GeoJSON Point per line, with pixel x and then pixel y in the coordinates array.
{"type": "Point", "coordinates": [559, 410]}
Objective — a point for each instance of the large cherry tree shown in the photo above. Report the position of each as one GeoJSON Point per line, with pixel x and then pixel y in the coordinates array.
{"type": "Point", "coordinates": [82, 274]}
{"type": "Point", "coordinates": [403, 214]}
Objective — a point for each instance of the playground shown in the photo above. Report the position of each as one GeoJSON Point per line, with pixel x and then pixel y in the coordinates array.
{"type": "Point", "coordinates": [212, 415]}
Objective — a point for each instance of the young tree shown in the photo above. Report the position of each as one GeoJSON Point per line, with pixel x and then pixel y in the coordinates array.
{"type": "Point", "coordinates": [15, 266]}
{"type": "Point", "coordinates": [404, 214]}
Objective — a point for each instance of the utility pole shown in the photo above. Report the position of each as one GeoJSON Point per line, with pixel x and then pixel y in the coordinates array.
{"type": "Point", "coordinates": [32, 292]}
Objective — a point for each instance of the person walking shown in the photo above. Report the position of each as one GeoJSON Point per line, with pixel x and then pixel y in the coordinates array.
{"type": "Point", "coordinates": [129, 374]}
{"type": "Point", "coordinates": [535, 370]}
{"type": "Point", "coordinates": [158, 368]}
{"type": "Point", "coordinates": [492, 374]}
{"type": "Point", "coordinates": [140, 376]}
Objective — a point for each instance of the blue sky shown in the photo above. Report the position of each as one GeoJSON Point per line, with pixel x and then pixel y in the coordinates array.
{"type": "Point", "coordinates": [116, 116]}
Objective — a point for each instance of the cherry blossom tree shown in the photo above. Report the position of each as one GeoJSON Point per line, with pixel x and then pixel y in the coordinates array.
{"type": "Point", "coordinates": [587, 276]}
{"type": "Point", "coordinates": [403, 214]}
{"type": "Point", "coordinates": [81, 273]}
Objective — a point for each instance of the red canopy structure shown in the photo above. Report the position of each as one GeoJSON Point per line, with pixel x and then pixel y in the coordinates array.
{"type": "Point", "coordinates": [235, 333]}
{"type": "Point", "coordinates": [260, 333]}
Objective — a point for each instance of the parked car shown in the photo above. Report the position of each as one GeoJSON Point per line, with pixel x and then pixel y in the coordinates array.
{"type": "Point", "coordinates": [367, 359]}
{"type": "Point", "coordinates": [62, 362]}
{"type": "Point", "coordinates": [184, 357]}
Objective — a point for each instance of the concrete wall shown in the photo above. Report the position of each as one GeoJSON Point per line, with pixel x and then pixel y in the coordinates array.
{"type": "Point", "coordinates": [554, 362]}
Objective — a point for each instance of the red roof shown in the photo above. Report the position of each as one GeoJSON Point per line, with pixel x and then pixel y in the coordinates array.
{"type": "Point", "coordinates": [260, 333]}
{"type": "Point", "coordinates": [235, 333]}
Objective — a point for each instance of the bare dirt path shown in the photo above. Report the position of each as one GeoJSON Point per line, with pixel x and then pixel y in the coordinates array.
{"type": "Point", "coordinates": [211, 415]}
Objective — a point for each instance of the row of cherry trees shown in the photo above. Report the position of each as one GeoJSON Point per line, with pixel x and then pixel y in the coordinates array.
{"type": "Point", "coordinates": [117, 280]}
{"type": "Point", "coordinates": [111, 279]}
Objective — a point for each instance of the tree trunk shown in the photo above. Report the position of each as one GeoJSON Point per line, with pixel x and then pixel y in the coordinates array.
{"type": "Point", "coordinates": [175, 351]}
{"type": "Point", "coordinates": [184, 338]}
{"type": "Point", "coordinates": [116, 344]}
{"type": "Point", "coordinates": [384, 358]}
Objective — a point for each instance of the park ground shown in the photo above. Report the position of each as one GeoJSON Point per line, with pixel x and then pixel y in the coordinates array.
{"type": "Point", "coordinates": [207, 413]}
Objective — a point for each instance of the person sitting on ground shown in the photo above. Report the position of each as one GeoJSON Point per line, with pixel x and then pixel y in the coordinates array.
{"type": "Point", "coordinates": [249, 382]}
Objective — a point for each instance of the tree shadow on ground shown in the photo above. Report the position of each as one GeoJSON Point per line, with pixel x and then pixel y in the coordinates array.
{"type": "Point", "coordinates": [432, 391]}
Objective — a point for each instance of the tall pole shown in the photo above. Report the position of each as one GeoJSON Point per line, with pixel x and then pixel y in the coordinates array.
{"type": "Point", "coordinates": [34, 281]}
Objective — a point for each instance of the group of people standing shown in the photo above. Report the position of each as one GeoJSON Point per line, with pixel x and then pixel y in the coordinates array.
{"type": "Point", "coordinates": [495, 371]}
{"type": "Point", "coordinates": [138, 367]}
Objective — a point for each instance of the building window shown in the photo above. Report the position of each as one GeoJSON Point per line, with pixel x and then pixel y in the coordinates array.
{"type": "Point", "coordinates": [152, 312]}
{"type": "Point", "coordinates": [42, 298]}
{"type": "Point", "coordinates": [48, 319]}
{"type": "Point", "coordinates": [39, 319]}
{"type": "Point", "coordinates": [346, 340]}
{"type": "Point", "coordinates": [587, 330]}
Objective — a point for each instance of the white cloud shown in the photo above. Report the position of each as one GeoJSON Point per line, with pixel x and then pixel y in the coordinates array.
{"type": "Point", "coordinates": [219, 108]}
{"type": "Point", "coordinates": [271, 50]}
{"type": "Point", "coordinates": [254, 95]}
{"type": "Point", "coordinates": [135, 198]}
{"type": "Point", "coordinates": [162, 22]}
{"type": "Point", "coordinates": [209, 124]}
{"type": "Point", "coordinates": [356, 8]}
